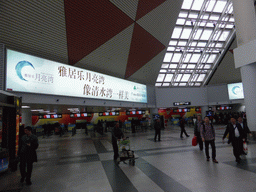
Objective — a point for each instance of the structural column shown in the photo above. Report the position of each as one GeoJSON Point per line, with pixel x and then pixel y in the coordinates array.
{"type": "Point", "coordinates": [26, 117]}
{"type": "Point", "coordinates": [203, 111]}
{"type": "Point", "coordinates": [245, 54]}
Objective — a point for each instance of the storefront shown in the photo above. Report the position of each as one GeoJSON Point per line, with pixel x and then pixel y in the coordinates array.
{"type": "Point", "coordinates": [9, 128]}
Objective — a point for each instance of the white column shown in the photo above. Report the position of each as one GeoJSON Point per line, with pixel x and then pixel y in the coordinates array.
{"type": "Point", "coordinates": [26, 117]}
{"type": "Point", "coordinates": [245, 22]}
{"type": "Point", "coordinates": [203, 111]}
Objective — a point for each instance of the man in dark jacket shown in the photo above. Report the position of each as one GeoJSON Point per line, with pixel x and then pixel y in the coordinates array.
{"type": "Point", "coordinates": [236, 136]}
{"type": "Point", "coordinates": [116, 135]}
{"type": "Point", "coordinates": [245, 127]}
{"type": "Point", "coordinates": [27, 154]}
{"type": "Point", "coordinates": [157, 127]}
{"type": "Point", "coordinates": [197, 133]}
{"type": "Point", "coordinates": [182, 127]}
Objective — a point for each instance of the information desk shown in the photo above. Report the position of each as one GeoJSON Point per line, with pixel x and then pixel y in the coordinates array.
{"type": "Point", "coordinates": [4, 160]}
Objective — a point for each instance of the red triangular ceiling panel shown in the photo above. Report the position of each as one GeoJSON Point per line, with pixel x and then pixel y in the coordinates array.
{"type": "Point", "coordinates": [144, 47]}
{"type": "Point", "coordinates": [145, 6]}
{"type": "Point", "coordinates": [89, 24]}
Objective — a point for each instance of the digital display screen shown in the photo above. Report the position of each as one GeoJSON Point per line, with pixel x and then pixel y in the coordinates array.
{"type": "Point", "coordinates": [4, 164]}
{"type": "Point", "coordinates": [26, 73]}
{"type": "Point", "coordinates": [235, 91]}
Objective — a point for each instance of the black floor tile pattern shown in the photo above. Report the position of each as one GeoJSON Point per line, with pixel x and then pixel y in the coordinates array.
{"type": "Point", "coordinates": [165, 182]}
{"type": "Point", "coordinates": [117, 179]}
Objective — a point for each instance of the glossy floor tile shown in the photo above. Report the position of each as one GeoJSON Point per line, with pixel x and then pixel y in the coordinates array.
{"type": "Point", "coordinates": [85, 163]}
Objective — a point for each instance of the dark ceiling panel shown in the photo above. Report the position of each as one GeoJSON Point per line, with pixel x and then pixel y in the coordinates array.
{"type": "Point", "coordinates": [144, 47]}
{"type": "Point", "coordinates": [89, 24]}
{"type": "Point", "coordinates": [145, 6]}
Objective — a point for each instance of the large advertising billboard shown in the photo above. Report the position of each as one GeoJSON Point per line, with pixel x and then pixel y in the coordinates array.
{"type": "Point", "coordinates": [235, 91]}
{"type": "Point", "coordinates": [26, 73]}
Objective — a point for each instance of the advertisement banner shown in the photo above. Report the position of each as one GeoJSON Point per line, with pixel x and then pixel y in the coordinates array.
{"type": "Point", "coordinates": [26, 73]}
{"type": "Point", "coordinates": [235, 91]}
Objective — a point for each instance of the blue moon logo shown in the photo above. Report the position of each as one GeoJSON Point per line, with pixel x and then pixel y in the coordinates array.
{"type": "Point", "coordinates": [20, 66]}
{"type": "Point", "coordinates": [236, 90]}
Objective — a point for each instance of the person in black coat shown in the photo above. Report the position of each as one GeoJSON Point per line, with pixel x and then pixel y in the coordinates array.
{"type": "Point", "coordinates": [157, 127]}
{"type": "Point", "coordinates": [245, 127]}
{"type": "Point", "coordinates": [27, 154]}
{"type": "Point", "coordinates": [182, 126]}
{"type": "Point", "coordinates": [197, 133]}
{"type": "Point", "coordinates": [236, 137]}
{"type": "Point", "coordinates": [116, 135]}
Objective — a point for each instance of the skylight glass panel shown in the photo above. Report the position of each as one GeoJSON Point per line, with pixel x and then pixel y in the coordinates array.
{"type": "Point", "coordinates": [182, 84]}
{"type": "Point", "coordinates": [165, 66]}
{"type": "Point", "coordinates": [193, 44]}
{"type": "Point", "coordinates": [184, 66]}
{"type": "Point", "coordinates": [186, 32]}
{"type": "Point", "coordinates": [182, 43]}
{"type": "Point", "coordinates": [178, 77]}
{"type": "Point", "coordinates": [160, 77]}
{"type": "Point", "coordinates": [158, 84]}
{"type": "Point", "coordinates": [191, 66]}
{"type": "Point", "coordinates": [210, 5]}
{"type": "Point", "coordinates": [205, 16]}
{"type": "Point", "coordinates": [195, 58]}
{"type": "Point", "coordinates": [185, 77]}
{"type": "Point", "coordinates": [176, 57]}
{"type": "Point", "coordinates": [201, 77]}
{"type": "Point", "coordinates": [224, 36]}
{"type": "Point", "coordinates": [171, 49]}
{"type": "Point", "coordinates": [207, 66]}
{"type": "Point", "coordinates": [212, 58]}
{"type": "Point", "coordinates": [229, 26]}
{"type": "Point", "coordinates": [192, 57]}
{"type": "Point", "coordinates": [198, 34]}
{"type": "Point", "coordinates": [183, 14]}
{"type": "Point", "coordinates": [168, 78]}
{"type": "Point", "coordinates": [186, 4]}
{"type": "Point", "coordinates": [206, 34]}
{"type": "Point", "coordinates": [202, 24]}
{"type": "Point", "coordinates": [176, 32]}
{"type": "Point", "coordinates": [201, 44]}
{"type": "Point", "coordinates": [180, 21]}
{"type": "Point", "coordinates": [187, 58]}
{"type": "Point", "coordinates": [193, 15]}
{"type": "Point", "coordinates": [216, 36]}
{"type": "Point", "coordinates": [173, 66]}
{"type": "Point", "coordinates": [219, 44]}
{"type": "Point", "coordinates": [209, 25]}
{"type": "Point", "coordinates": [173, 43]}
{"type": "Point", "coordinates": [232, 19]}
{"type": "Point", "coordinates": [168, 57]}
{"type": "Point", "coordinates": [220, 5]}
{"type": "Point", "coordinates": [214, 17]}
{"type": "Point", "coordinates": [197, 5]}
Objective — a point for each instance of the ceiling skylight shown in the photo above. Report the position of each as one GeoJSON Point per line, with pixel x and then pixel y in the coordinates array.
{"type": "Point", "coordinates": [203, 32]}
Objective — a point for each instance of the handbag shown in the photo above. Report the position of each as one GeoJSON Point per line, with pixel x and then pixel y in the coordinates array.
{"type": "Point", "coordinates": [194, 141]}
{"type": "Point", "coordinates": [245, 147]}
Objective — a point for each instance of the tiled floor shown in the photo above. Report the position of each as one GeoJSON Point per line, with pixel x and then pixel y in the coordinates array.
{"type": "Point", "coordinates": [84, 163]}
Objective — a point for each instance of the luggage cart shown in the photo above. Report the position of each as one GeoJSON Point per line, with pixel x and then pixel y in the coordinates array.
{"type": "Point", "coordinates": [125, 152]}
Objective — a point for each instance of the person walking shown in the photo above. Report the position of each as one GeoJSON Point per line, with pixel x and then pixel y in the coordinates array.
{"type": "Point", "coordinates": [157, 127]}
{"type": "Point", "coordinates": [27, 154]}
{"type": "Point", "coordinates": [182, 126]}
{"type": "Point", "coordinates": [208, 137]}
{"type": "Point", "coordinates": [116, 135]}
{"type": "Point", "coordinates": [236, 137]}
{"type": "Point", "coordinates": [197, 133]}
{"type": "Point", "coordinates": [245, 127]}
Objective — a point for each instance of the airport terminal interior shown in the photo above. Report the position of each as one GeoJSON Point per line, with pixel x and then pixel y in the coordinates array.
{"type": "Point", "coordinates": [80, 71]}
